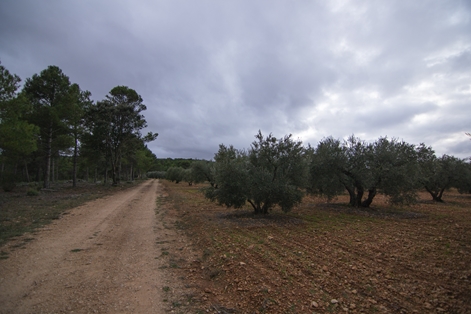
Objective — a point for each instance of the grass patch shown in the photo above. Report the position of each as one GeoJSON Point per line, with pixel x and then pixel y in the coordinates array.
{"type": "Point", "coordinates": [21, 214]}
{"type": "Point", "coordinates": [32, 192]}
{"type": "Point", "coordinates": [3, 255]}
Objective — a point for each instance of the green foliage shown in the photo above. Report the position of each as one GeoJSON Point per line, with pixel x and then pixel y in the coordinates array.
{"type": "Point", "coordinates": [272, 172]}
{"type": "Point", "coordinates": [156, 174]}
{"type": "Point", "coordinates": [394, 170]}
{"type": "Point", "coordinates": [231, 178]}
{"type": "Point", "coordinates": [162, 164]}
{"type": "Point", "coordinates": [385, 166]}
{"type": "Point", "coordinates": [115, 125]}
{"type": "Point", "coordinates": [32, 192]}
{"type": "Point", "coordinates": [326, 176]}
{"type": "Point", "coordinates": [9, 84]}
{"type": "Point", "coordinates": [441, 173]}
{"type": "Point", "coordinates": [202, 171]}
{"type": "Point", "coordinates": [48, 93]}
{"type": "Point", "coordinates": [17, 136]}
{"type": "Point", "coordinates": [175, 174]}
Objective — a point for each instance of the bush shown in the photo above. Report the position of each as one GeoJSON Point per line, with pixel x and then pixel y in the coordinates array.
{"type": "Point", "coordinates": [175, 174]}
{"type": "Point", "coordinates": [32, 192]}
{"type": "Point", "coordinates": [156, 174]}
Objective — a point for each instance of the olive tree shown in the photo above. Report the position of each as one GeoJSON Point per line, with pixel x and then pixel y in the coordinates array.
{"type": "Point", "coordinates": [175, 174]}
{"type": "Point", "coordinates": [273, 172]}
{"type": "Point", "coordinates": [201, 171]}
{"type": "Point", "coordinates": [441, 173]}
{"type": "Point", "coordinates": [386, 166]}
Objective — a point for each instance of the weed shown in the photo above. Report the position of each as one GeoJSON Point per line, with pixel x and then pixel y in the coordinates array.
{"type": "Point", "coordinates": [162, 242]}
{"type": "Point", "coordinates": [76, 250]}
{"type": "Point", "coordinates": [176, 304]}
{"type": "Point", "coordinates": [3, 255]}
{"type": "Point", "coordinates": [166, 288]}
{"type": "Point", "coordinates": [32, 192]}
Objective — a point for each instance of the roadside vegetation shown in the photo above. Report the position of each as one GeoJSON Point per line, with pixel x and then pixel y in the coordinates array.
{"type": "Point", "coordinates": [279, 172]}
{"type": "Point", "coordinates": [51, 130]}
{"type": "Point", "coordinates": [23, 211]}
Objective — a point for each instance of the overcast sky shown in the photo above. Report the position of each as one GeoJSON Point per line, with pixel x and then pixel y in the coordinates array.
{"type": "Point", "coordinates": [213, 72]}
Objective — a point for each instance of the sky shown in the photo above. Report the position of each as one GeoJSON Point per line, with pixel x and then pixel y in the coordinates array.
{"type": "Point", "coordinates": [216, 72]}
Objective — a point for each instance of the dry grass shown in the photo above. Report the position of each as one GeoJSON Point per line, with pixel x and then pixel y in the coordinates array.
{"type": "Point", "coordinates": [21, 212]}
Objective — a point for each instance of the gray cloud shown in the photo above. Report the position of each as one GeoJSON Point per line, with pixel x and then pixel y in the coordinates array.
{"type": "Point", "coordinates": [214, 72]}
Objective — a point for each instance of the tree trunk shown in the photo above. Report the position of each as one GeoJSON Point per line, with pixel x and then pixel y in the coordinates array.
{"type": "Point", "coordinates": [351, 192]}
{"type": "Point", "coordinates": [74, 169]}
{"type": "Point", "coordinates": [113, 175]}
{"type": "Point", "coordinates": [52, 169]}
{"type": "Point", "coordinates": [256, 208]}
{"type": "Point", "coordinates": [48, 157]}
{"type": "Point", "coordinates": [38, 173]}
{"type": "Point", "coordinates": [115, 168]}
{"type": "Point", "coordinates": [26, 172]}
{"type": "Point", "coordinates": [360, 193]}
{"type": "Point", "coordinates": [369, 199]}
{"type": "Point", "coordinates": [119, 170]}
{"type": "Point", "coordinates": [436, 196]}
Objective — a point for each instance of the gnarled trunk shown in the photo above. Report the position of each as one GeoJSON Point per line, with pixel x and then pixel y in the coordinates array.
{"type": "Point", "coordinates": [436, 195]}
{"type": "Point", "coordinates": [369, 199]}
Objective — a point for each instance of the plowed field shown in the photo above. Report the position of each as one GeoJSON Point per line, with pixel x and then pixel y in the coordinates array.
{"type": "Point", "coordinates": [325, 257]}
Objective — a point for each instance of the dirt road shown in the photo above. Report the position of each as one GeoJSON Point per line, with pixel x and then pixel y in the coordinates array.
{"type": "Point", "coordinates": [99, 258]}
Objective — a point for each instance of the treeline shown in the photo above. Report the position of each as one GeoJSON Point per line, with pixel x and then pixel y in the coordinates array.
{"type": "Point", "coordinates": [51, 129]}
{"type": "Point", "coordinates": [162, 164]}
{"type": "Point", "coordinates": [280, 171]}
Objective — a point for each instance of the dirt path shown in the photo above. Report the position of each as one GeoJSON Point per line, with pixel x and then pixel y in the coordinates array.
{"type": "Point", "coordinates": [100, 258]}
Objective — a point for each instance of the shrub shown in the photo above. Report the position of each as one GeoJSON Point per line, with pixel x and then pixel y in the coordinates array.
{"type": "Point", "coordinates": [32, 192]}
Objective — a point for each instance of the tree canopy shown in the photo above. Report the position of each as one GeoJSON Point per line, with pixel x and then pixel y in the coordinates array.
{"type": "Point", "coordinates": [115, 123]}
{"type": "Point", "coordinates": [273, 172]}
{"type": "Point", "coordinates": [17, 135]}
{"type": "Point", "coordinates": [387, 166]}
{"type": "Point", "coordinates": [53, 126]}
